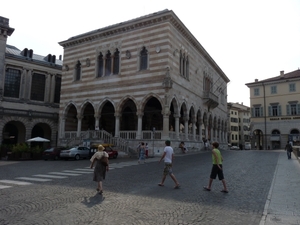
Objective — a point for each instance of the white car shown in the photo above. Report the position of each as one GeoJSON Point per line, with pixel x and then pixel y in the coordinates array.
{"type": "Point", "coordinates": [247, 146]}
{"type": "Point", "coordinates": [75, 153]}
{"type": "Point", "coordinates": [234, 148]}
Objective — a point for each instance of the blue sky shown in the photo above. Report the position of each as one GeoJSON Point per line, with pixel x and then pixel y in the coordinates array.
{"type": "Point", "coordinates": [248, 39]}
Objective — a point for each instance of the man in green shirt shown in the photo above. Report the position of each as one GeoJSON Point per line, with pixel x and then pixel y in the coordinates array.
{"type": "Point", "coordinates": [217, 168]}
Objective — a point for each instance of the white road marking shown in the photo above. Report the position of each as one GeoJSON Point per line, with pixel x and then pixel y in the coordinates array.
{"type": "Point", "coordinates": [4, 186]}
{"type": "Point", "coordinates": [33, 179]}
{"type": "Point", "coordinates": [66, 174]}
{"type": "Point", "coordinates": [49, 176]}
{"type": "Point", "coordinates": [15, 182]}
{"type": "Point", "coordinates": [72, 171]}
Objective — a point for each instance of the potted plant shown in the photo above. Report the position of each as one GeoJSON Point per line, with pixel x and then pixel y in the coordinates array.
{"type": "Point", "coordinates": [20, 151]}
{"type": "Point", "coordinates": [36, 152]}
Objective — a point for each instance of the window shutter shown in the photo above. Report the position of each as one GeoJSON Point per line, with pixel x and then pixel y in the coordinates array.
{"type": "Point", "coordinates": [261, 111]}
{"type": "Point", "coordinates": [298, 109]}
{"type": "Point", "coordinates": [279, 110]}
{"type": "Point", "coordinates": [288, 110]}
{"type": "Point", "coordinates": [252, 112]}
{"type": "Point", "coordinates": [270, 111]}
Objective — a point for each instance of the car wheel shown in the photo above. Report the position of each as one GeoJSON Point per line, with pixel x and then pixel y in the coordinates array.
{"type": "Point", "coordinates": [77, 157]}
{"type": "Point", "coordinates": [115, 156]}
{"type": "Point", "coordinates": [56, 158]}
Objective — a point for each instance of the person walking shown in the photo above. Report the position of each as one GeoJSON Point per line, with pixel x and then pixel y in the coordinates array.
{"type": "Point", "coordinates": [142, 151]}
{"type": "Point", "coordinates": [289, 149]}
{"type": "Point", "coordinates": [146, 151]}
{"type": "Point", "coordinates": [182, 147]}
{"type": "Point", "coordinates": [168, 157]}
{"type": "Point", "coordinates": [217, 168]}
{"type": "Point", "coordinates": [100, 168]}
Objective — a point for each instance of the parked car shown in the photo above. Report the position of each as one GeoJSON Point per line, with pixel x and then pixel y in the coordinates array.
{"type": "Point", "coordinates": [234, 148]}
{"type": "Point", "coordinates": [109, 148]}
{"type": "Point", "coordinates": [247, 146]}
{"type": "Point", "coordinates": [52, 153]}
{"type": "Point", "coordinates": [75, 153]}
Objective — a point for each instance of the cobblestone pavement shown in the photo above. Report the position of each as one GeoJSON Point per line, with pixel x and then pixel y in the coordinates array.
{"type": "Point", "coordinates": [62, 192]}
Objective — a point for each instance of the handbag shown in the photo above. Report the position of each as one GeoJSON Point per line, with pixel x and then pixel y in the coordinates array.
{"type": "Point", "coordinates": [104, 161]}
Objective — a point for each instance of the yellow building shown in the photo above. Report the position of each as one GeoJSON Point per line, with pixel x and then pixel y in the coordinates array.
{"type": "Point", "coordinates": [275, 110]}
{"type": "Point", "coordinates": [239, 124]}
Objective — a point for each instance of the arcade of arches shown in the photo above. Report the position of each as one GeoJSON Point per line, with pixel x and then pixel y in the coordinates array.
{"type": "Point", "coordinates": [173, 121]}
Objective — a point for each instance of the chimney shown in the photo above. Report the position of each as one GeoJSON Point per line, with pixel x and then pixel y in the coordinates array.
{"type": "Point", "coordinates": [60, 57]}
{"type": "Point", "coordinates": [256, 80]}
{"type": "Point", "coordinates": [282, 73]}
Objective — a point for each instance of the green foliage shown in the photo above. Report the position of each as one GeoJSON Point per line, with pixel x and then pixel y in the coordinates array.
{"type": "Point", "coordinates": [37, 149]}
{"type": "Point", "coordinates": [20, 147]}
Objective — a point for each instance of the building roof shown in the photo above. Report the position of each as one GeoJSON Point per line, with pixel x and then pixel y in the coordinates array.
{"type": "Point", "coordinates": [282, 76]}
{"type": "Point", "coordinates": [17, 53]}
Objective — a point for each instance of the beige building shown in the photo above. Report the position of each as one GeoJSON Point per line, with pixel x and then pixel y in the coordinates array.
{"type": "Point", "coordinates": [29, 92]}
{"type": "Point", "coordinates": [239, 124]}
{"type": "Point", "coordinates": [275, 110]}
{"type": "Point", "coordinates": [146, 79]}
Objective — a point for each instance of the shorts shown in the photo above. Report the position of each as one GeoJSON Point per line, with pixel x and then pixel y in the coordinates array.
{"type": "Point", "coordinates": [168, 169]}
{"type": "Point", "coordinates": [216, 171]}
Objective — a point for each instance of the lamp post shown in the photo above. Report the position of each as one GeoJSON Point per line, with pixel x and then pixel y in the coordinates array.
{"type": "Point", "coordinates": [153, 139]}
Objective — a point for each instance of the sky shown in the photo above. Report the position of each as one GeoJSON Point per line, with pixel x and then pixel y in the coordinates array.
{"type": "Point", "coordinates": [248, 39]}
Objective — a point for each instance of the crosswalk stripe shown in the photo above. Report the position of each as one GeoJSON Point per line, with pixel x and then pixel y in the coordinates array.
{"type": "Point", "coordinates": [33, 179]}
{"type": "Point", "coordinates": [72, 171]}
{"type": "Point", "coordinates": [49, 176]}
{"type": "Point", "coordinates": [88, 170]}
{"type": "Point", "coordinates": [15, 182]}
{"type": "Point", "coordinates": [66, 174]}
{"type": "Point", "coordinates": [4, 186]}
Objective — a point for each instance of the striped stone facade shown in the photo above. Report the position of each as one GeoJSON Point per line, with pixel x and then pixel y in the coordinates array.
{"type": "Point", "coordinates": [143, 79]}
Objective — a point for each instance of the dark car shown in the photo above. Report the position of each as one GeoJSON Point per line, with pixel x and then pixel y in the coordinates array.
{"type": "Point", "coordinates": [52, 153]}
{"type": "Point", "coordinates": [112, 153]}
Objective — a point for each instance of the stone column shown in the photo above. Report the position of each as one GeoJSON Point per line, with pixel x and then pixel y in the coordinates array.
{"type": "Point", "coordinates": [186, 127]}
{"type": "Point", "coordinates": [140, 123]}
{"type": "Point", "coordinates": [176, 125]}
{"type": "Point", "coordinates": [52, 89]}
{"type": "Point", "coordinates": [47, 87]}
{"type": "Point", "coordinates": [79, 117]}
{"type": "Point", "coordinates": [62, 124]}
{"type": "Point", "coordinates": [165, 134]}
{"type": "Point", "coordinates": [28, 84]}
{"type": "Point", "coordinates": [117, 124]}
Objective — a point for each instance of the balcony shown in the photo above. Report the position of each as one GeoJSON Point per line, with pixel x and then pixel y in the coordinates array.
{"type": "Point", "coordinates": [210, 99]}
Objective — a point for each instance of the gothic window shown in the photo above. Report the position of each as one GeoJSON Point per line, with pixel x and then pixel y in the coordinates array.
{"type": "Point", "coordinates": [116, 62]}
{"type": "Point", "coordinates": [100, 65]}
{"type": "Point", "coordinates": [180, 63]}
{"type": "Point", "coordinates": [144, 59]}
{"type": "Point", "coordinates": [38, 87]}
{"type": "Point", "coordinates": [12, 83]}
{"type": "Point", "coordinates": [108, 64]}
{"type": "Point", "coordinates": [78, 71]}
{"type": "Point", "coordinates": [187, 69]}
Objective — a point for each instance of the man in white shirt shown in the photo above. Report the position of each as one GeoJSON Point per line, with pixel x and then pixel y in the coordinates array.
{"type": "Point", "coordinates": [168, 157]}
